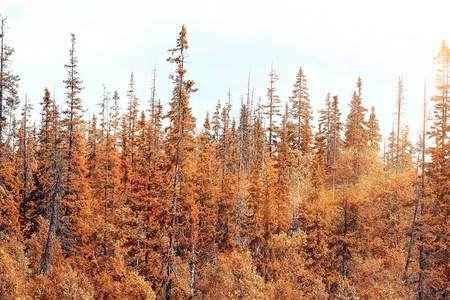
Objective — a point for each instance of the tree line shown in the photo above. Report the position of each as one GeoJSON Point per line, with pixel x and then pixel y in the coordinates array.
{"type": "Point", "coordinates": [253, 206]}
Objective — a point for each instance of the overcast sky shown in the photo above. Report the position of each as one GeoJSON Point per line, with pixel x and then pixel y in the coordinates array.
{"type": "Point", "coordinates": [333, 41]}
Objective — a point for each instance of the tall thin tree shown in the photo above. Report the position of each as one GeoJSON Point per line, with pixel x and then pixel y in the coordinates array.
{"type": "Point", "coordinates": [179, 148]}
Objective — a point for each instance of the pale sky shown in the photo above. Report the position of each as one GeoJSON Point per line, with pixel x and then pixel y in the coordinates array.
{"type": "Point", "coordinates": [333, 41]}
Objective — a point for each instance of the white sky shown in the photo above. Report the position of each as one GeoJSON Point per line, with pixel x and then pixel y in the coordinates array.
{"type": "Point", "coordinates": [333, 41]}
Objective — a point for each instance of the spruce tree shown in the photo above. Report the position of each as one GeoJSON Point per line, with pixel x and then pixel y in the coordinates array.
{"type": "Point", "coordinates": [436, 235]}
{"type": "Point", "coordinates": [272, 108]}
{"type": "Point", "coordinates": [373, 131]}
{"type": "Point", "coordinates": [400, 112]}
{"type": "Point", "coordinates": [75, 198]}
{"type": "Point", "coordinates": [9, 98]}
{"type": "Point", "coordinates": [9, 101]}
{"type": "Point", "coordinates": [302, 136]}
{"type": "Point", "coordinates": [301, 113]}
{"type": "Point", "coordinates": [356, 126]}
{"type": "Point", "coordinates": [25, 156]}
{"type": "Point", "coordinates": [179, 148]}
{"type": "Point", "coordinates": [74, 110]}
{"type": "Point", "coordinates": [336, 141]}
{"type": "Point", "coordinates": [356, 135]}
{"type": "Point", "coordinates": [51, 178]}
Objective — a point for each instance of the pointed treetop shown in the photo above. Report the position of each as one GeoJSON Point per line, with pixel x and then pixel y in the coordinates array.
{"type": "Point", "coordinates": [182, 44]}
{"type": "Point", "coordinates": [359, 85]}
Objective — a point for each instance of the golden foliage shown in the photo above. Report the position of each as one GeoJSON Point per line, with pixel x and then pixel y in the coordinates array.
{"type": "Point", "coordinates": [233, 276]}
{"type": "Point", "coordinates": [13, 269]}
{"type": "Point", "coordinates": [62, 283]}
{"type": "Point", "coordinates": [117, 281]}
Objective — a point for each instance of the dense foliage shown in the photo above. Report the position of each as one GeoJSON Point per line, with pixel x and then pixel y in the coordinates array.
{"type": "Point", "coordinates": [254, 206]}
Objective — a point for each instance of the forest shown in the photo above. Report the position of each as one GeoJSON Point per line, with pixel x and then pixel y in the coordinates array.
{"type": "Point", "coordinates": [140, 204]}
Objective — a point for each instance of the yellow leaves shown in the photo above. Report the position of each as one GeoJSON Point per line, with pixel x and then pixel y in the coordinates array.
{"type": "Point", "coordinates": [381, 277]}
{"type": "Point", "coordinates": [233, 276]}
{"type": "Point", "coordinates": [62, 283]}
{"type": "Point", "coordinates": [117, 281]}
{"type": "Point", "coordinates": [294, 280]}
{"type": "Point", "coordinates": [13, 269]}
{"type": "Point", "coordinates": [113, 280]}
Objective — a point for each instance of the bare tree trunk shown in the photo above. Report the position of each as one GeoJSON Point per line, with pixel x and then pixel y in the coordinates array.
{"type": "Point", "coordinates": [138, 254]}
{"type": "Point", "coordinates": [193, 261]}
{"type": "Point", "coordinates": [421, 251]}
{"type": "Point", "coordinates": [418, 211]}
{"type": "Point", "coordinates": [45, 260]}
{"type": "Point", "coordinates": [106, 206]}
{"type": "Point", "coordinates": [399, 109]}
{"type": "Point", "coordinates": [411, 240]}
{"type": "Point", "coordinates": [54, 217]}
{"type": "Point", "coordinates": [25, 151]}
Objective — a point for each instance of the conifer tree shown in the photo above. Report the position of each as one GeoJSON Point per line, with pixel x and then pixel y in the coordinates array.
{"type": "Point", "coordinates": [400, 112]}
{"type": "Point", "coordinates": [272, 108]}
{"type": "Point", "coordinates": [302, 116]}
{"type": "Point", "coordinates": [125, 161]}
{"type": "Point", "coordinates": [132, 118]}
{"type": "Point", "coordinates": [75, 198]}
{"type": "Point", "coordinates": [319, 171]}
{"type": "Point", "coordinates": [398, 141]}
{"type": "Point", "coordinates": [301, 113]}
{"type": "Point", "coordinates": [216, 121]}
{"type": "Point", "coordinates": [245, 140]}
{"type": "Point", "coordinates": [10, 184]}
{"type": "Point", "coordinates": [390, 154]}
{"type": "Point", "coordinates": [133, 134]}
{"type": "Point", "coordinates": [203, 237]}
{"type": "Point", "coordinates": [228, 155]}
{"type": "Point", "coordinates": [153, 104]}
{"type": "Point", "coordinates": [9, 98]}
{"type": "Point", "coordinates": [74, 111]}
{"type": "Point", "coordinates": [107, 174]}
{"type": "Point", "coordinates": [25, 156]}
{"type": "Point", "coordinates": [149, 188]}
{"type": "Point", "coordinates": [336, 140]}
{"type": "Point", "coordinates": [283, 167]}
{"type": "Point", "coordinates": [10, 187]}
{"type": "Point", "coordinates": [436, 215]}
{"type": "Point", "coordinates": [155, 116]}
{"type": "Point", "coordinates": [330, 125]}
{"type": "Point", "coordinates": [356, 136]}
{"type": "Point", "coordinates": [115, 114]}
{"type": "Point", "coordinates": [406, 151]}
{"type": "Point", "coordinates": [106, 152]}
{"type": "Point", "coordinates": [179, 148]}
{"type": "Point", "coordinates": [325, 123]}
{"type": "Point", "coordinates": [439, 129]}
{"type": "Point", "coordinates": [51, 178]}
{"type": "Point", "coordinates": [118, 205]}
{"type": "Point", "coordinates": [373, 131]}
{"type": "Point", "coordinates": [419, 209]}
{"type": "Point", "coordinates": [93, 152]}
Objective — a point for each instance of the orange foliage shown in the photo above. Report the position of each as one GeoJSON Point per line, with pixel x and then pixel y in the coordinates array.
{"type": "Point", "coordinates": [233, 276]}
{"type": "Point", "coordinates": [242, 210]}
